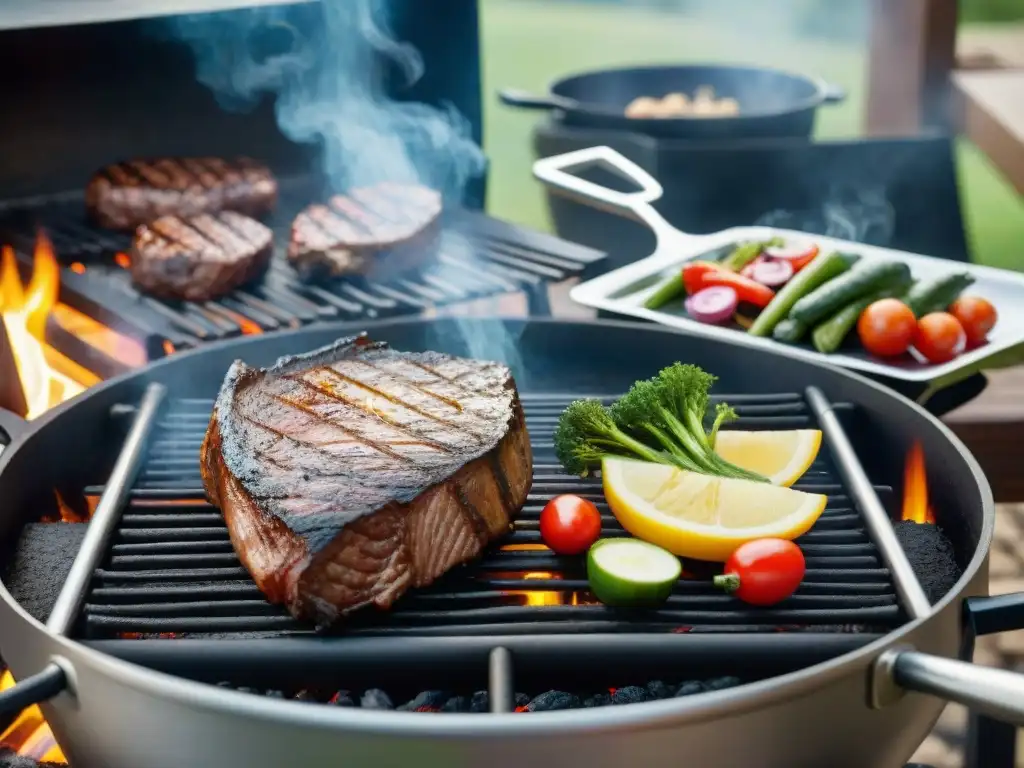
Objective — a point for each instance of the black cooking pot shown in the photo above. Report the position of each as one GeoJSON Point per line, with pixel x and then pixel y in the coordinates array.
{"type": "Point", "coordinates": [771, 103]}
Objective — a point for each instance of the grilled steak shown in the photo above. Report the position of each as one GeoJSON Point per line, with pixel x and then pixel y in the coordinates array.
{"type": "Point", "coordinates": [352, 473]}
{"type": "Point", "coordinates": [201, 257]}
{"type": "Point", "coordinates": [349, 234]}
{"type": "Point", "coordinates": [124, 195]}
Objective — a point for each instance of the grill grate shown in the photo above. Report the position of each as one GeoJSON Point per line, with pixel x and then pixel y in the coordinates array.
{"type": "Point", "coordinates": [171, 568]}
{"type": "Point", "coordinates": [475, 257]}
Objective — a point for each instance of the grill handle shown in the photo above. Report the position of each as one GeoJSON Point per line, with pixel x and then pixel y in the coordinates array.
{"type": "Point", "coordinates": [40, 687]}
{"type": "Point", "coordinates": [993, 692]}
{"type": "Point", "coordinates": [555, 172]}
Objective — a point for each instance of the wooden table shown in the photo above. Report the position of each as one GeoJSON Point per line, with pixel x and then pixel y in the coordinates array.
{"type": "Point", "coordinates": [989, 110]}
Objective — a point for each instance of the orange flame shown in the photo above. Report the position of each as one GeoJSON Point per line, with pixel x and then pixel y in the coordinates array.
{"type": "Point", "coordinates": [915, 488]}
{"type": "Point", "coordinates": [29, 734]}
{"type": "Point", "coordinates": [25, 311]}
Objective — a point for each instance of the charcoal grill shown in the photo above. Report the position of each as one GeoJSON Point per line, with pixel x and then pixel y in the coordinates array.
{"type": "Point", "coordinates": [155, 562]}
{"type": "Point", "coordinates": [475, 257]}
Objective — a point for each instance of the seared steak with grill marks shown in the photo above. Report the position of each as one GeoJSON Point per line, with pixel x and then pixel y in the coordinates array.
{"type": "Point", "coordinates": [349, 234]}
{"type": "Point", "coordinates": [352, 473]}
{"type": "Point", "coordinates": [201, 257]}
{"type": "Point", "coordinates": [124, 195]}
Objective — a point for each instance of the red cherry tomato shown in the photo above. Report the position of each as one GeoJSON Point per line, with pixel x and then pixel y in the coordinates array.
{"type": "Point", "coordinates": [569, 524]}
{"type": "Point", "coordinates": [763, 571]}
{"type": "Point", "coordinates": [886, 327]}
{"type": "Point", "coordinates": [939, 337]}
{"type": "Point", "coordinates": [976, 315]}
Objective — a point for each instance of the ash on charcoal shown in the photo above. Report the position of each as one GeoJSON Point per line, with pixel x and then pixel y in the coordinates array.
{"type": "Point", "coordinates": [521, 700]}
{"type": "Point", "coordinates": [598, 700]}
{"type": "Point", "coordinates": [456, 704]}
{"type": "Point", "coordinates": [11, 759]}
{"type": "Point", "coordinates": [427, 701]}
{"type": "Point", "coordinates": [721, 683]}
{"type": "Point", "coordinates": [689, 688]}
{"type": "Point", "coordinates": [480, 702]}
{"type": "Point", "coordinates": [549, 701]}
{"type": "Point", "coordinates": [344, 699]}
{"type": "Point", "coordinates": [656, 689]}
{"type": "Point", "coordinates": [375, 698]}
{"type": "Point", "coordinates": [931, 555]}
{"type": "Point", "coordinates": [41, 563]}
{"type": "Point", "coordinates": [630, 694]}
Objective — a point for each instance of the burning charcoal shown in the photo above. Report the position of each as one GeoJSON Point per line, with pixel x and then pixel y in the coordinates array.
{"type": "Point", "coordinates": [11, 759]}
{"type": "Point", "coordinates": [600, 700]}
{"type": "Point", "coordinates": [274, 694]}
{"type": "Point", "coordinates": [631, 694]}
{"type": "Point", "coordinates": [689, 688]}
{"type": "Point", "coordinates": [549, 701]}
{"type": "Point", "coordinates": [375, 698]}
{"type": "Point", "coordinates": [481, 702]}
{"type": "Point", "coordinates": [522, 700]}
{"type": "Point", "coordinates": [656, 689]}
{"type": "Point", "coordinates": [456, 704]}
{"type": "Point", "coordinates": [345, 699]}
{"type": "Point", "coordinates": [304, 695]}
{"type": "Point", "coordinates": [931, 555]}
{"type": "Point", "coordinates": [428, 701]}
{"type": "Point", "coordinates": [721, 683]}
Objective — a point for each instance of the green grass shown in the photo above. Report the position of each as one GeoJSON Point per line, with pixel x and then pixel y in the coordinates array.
{"type": "Point", "coordinates": [529, 43]}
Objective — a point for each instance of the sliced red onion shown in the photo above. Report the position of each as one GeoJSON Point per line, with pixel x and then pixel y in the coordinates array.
{"type": "Point", "coordinates": [772, 273]}
{"type": "Point", "coordinates": [790, 249]}
{"type": "Point", "coordinates": [714, 305]}
{"type": "Point", "coordinates": [748, 271]}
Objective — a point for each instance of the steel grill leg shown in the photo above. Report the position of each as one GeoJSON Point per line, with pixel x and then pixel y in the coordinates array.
{"type": "Point", "coordinates": [908, 587]}
{"type": "Point", "coordinates": [107, 515]}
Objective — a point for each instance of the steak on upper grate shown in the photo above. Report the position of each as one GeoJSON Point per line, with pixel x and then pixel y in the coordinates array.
{"type": "Point", "coordinates": [352, 473]}
{"type": "Point", "coordinates": [199, 257]}
{"type": "Point", "coordinates": [126, 194]}
{"type": "Point", "coordinates": [343, 235]}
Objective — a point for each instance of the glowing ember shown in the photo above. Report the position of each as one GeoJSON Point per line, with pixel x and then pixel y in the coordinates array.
{"type": "Point", "coordinates": [25, 311]}
{"type": "Point", "coordinates": [915, 488]}
{"type": "Point", "coordinates": [29, 735]}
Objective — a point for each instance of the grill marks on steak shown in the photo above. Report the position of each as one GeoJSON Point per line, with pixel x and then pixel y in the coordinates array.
{"type": "Point", "coordinates": [127, 194]}
{"type": "Point", "coordinates": [347, 234]}
{"type": "Point", "coordinates": [201, 257]}
{"type": "Point", "coordinates": [348, 475]}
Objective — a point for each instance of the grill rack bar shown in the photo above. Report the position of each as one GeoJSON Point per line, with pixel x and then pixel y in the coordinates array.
{"type": "Point", "coordinates": [171, 568]}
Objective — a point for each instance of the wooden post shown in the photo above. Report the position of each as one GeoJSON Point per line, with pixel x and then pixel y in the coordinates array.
{"type": "Point", "coordinates": [912, 53]}
{"type": "Point", "coordinates": [12, 396]}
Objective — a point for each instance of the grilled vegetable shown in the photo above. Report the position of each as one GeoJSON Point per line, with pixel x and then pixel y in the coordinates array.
{"type": "Point", "coordinates": [789, 331]}
{"type": "Point", "coordinates": [695, 272]}
{"type": "Point", "coordinates": [886, 327]}
{"type": "Point", "coordinates": [569, 524]}
{"type": "Point", "coordinates": [828, 336]}
{"type": "Point", "coordinates": [836, 294]}
{"type": "Point", "coordinates": [939, 337]}
{"type": "Point", "coordinates": [798, 253]}
{"type": "Point", "coordinates": [772, 273]}
{"type": "Point", "coordinates": [976, 315]}
{"type": "Point", "coordinates": [630, 572]}
{"type": "Point", "coordinates": [670, 289]}
{"type": "Point", "coordinates": [713, 305]}
{"type": "Point", "coordinates": [936, 294]}
{"type": "Point", "coordinates": [659, 420]}
{"type": "Point", "coordinates": [823, 268]}
{"type": "Point", "coordinates": [747, 290]}
{"type": "Point", "coordinates": [743, 254]}
{"type": "Point", "coordinates": [763, 572]}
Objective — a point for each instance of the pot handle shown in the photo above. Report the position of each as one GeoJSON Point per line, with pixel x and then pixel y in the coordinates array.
{"type": "Point", "coordinates": [554, 171]}
{"type": "Point", "coordinates": [36, 689]}
{"type": "Point", "coordinates": [12, 425]}
{"type": "Point", "coordinates": [513, 97]}
{"type": "Point", "coordinates": [832, 93]}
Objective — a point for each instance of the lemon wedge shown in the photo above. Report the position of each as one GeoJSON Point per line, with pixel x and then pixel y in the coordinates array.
{"type": "Point", "coordinates": [703, 516]}
{"type": "Point", "coordinates": [781, 456]}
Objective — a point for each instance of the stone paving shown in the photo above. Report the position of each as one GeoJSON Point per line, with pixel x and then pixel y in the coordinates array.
{"type": "Point", "coordinates": [944, 748]}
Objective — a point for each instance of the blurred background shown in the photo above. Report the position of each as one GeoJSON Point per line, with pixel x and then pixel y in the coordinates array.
{"type": "Point", "coordinates": [529, 43]}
